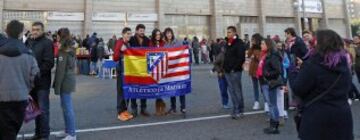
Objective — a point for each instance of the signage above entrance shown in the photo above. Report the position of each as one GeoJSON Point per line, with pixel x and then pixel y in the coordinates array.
{"type": "Point", "coordinates": [108, 16]}
{"type": "Point", "coordinates": [65, 16]}
{"type": "Point", "coordinates": [311, 6]}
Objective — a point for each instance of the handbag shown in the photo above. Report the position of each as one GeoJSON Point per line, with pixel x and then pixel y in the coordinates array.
{"type": "Point", "coordinates": [276, 82]}
{"type": "Point", "coordinates": [32, 110]}
{"type": "Point", "coordinates": [298, 115]}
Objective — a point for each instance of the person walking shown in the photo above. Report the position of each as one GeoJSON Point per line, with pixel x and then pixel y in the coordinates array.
{"type": "Point", "coordinates": [234, 59]}
{"type": "Point", "coordinates": [100, 57]}
{"type": "Point", "coordinates": [254, 54]}
{"type": "Point", "coordinates": [111, 43]}
{"type": "Point", "coordinates": [322, 84]}
{"type": "Point", "coordinates": [42, 47]}
{"type": "Point", "coordinates": [139, 40]}
{"type": "Point", "coordinates": [269, 73]}
{"type": "Point", "coordinates": [171, 41]}
{"type": "Point", "coordinates": [65, 81]}
{"type": "Point", "coordinates": [157, 41]}
{"type": "Point", "coordinates": [17, 78]}
{"type": "Point", "coordinates": [196, 50]}
{"type": "Point", "coordinates": [121, 45]}
{"type": "Point", "coordinates": [204, 51]}
{"type": "Point", "coordinates": [356, 46]}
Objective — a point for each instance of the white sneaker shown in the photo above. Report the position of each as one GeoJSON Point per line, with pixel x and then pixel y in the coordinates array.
{"type": "Point", "coordinates": [61, 134]}
{"type": "Point", "coordinates": [256, 106]}
{"type": "Point", "coordinates": [68, 137]}
{"type": "Point", "coordinates": [266, 107]}
{"type": "Point", "coordinates": [349, 101]}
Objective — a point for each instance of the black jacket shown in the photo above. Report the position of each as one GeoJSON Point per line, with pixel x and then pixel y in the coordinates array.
{"type": "Point", "coordinates": [299, 48]}
{"type": "Point", "coordinates": [234, 56]}
{"type": "Point", "coordinates": [272, 70]}
{"type": "Point", "coordinates": [330, 117]}
{"type": "Point", "coordinates": [134, 42]}
{"type": "Point", "coordinates": [44, 54]}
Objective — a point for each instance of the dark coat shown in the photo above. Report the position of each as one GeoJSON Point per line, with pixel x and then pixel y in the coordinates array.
{"type": "Point", "coordinates": [272, 70]}
{"type": "Point", "coordinates": [234, 56]}
{"type": "Point", "coordinates": [42, 48]}
{"type": "Point", "coordinates": [134, 42]}
{"type": "Point", "coordinates": [65, 78]}
{"type": "Point", "coordinates": [299, 48]}
{"type": "Point", "coordinates": [330, 117]}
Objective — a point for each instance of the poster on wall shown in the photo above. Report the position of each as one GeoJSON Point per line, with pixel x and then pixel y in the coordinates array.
{"type": "Point", "coordinates": [108, 16]}
{"type": "Point", "coordinates": [142, 17]}
{"type": "Point", "coordinates": [311, 6]}
{"type": "Point", "coordinates": [65, 16]}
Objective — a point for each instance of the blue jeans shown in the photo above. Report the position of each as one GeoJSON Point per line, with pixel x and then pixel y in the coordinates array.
{"type": "Point", "coordinates": [42, 126]}
{"type": "Point", "coordinates": [68, 112]}
{"type": "Point", "coordinates": [223, 90]}
{"type": "Point", "coordinates": [93, 67]}
{"type": "Point", "coordinates": [235, 90]}
{"type": "Point", "coordinates": [271, 99]}
{"type": "Point", "coordinates": [255, 82]}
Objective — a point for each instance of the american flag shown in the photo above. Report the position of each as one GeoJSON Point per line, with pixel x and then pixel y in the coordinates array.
{"type": "Point", "coordinates": [169, 66]}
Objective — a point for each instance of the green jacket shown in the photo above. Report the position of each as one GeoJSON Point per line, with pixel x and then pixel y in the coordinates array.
{"type": "Point", "coordinates": [65, 78]}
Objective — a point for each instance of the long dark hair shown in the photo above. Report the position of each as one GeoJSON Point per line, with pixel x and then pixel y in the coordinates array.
{"type": "Point", "coordinates": [153, 35]}
{"type": "Point", "coordinates": [171, 31]}
{"type": "Point", "coordinates": [257, 39]}
{"type": "Point", "coordinates": [330, 46]}
{"type": "Point", "coordinates": [65, 38]}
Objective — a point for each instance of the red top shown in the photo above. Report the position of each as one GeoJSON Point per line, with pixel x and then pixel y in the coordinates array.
{"type": "Point", "coordinates": [56, 46]}
{"type": "Point", "coordinates": [117, 51]}
{"type": "Point", "coordinates": [153, 44]}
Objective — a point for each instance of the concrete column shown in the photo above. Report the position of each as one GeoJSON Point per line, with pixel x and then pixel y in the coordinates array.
{"type": "Point", "coordinates": [325, 19]}
{"type": "Point", "coordinates": [1, 14]}
{"type": "Point", "coordinates": [88, 17]}
{"type": "Point", "coordinates": [216, 20]}
{"type": "Point", "coordinates": [262, 17]}
{"type": "Point", "coordinates": [347, 19]}
{"type": "Point", "coordinates": [161, 14]}
{"type": "Point", "coordinates": [298, 16]}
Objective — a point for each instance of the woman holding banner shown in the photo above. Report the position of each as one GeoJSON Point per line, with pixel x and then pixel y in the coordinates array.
{"type": "Point", "coordinates": [157, 41]}
{"type": "Point", "coordinates": [171, 41]}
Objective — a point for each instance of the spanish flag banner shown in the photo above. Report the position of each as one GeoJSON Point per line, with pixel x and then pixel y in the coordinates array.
{"type": "Point", "coordinates": [156, 72]}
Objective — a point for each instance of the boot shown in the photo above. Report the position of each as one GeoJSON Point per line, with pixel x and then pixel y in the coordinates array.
{"type": "Point", "coordinates": [162, 108]}
{"type": "Point", "coordinates": [273, 129]}
{"type": "Point", "coordinates": [158, 108]}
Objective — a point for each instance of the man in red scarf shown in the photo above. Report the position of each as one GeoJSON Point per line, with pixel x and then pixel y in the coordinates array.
{"type": "Point", "coordinates": [234, 59]}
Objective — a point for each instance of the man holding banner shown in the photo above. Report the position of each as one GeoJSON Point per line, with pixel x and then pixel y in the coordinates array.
{"type": "Point", "coordinates": [151, 73]}
{"type": "Point", "coordinates": [121, 45]}
{"type": "Point", "coordinates": [139, 40]}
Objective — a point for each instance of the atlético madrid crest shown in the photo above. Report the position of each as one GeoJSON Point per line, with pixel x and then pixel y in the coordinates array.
{"type": "Point", "coordinates": [157, 64]}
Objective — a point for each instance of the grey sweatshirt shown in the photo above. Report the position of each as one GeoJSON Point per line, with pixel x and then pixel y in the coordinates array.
{"type": "Point", "coordinates": [18, 69]}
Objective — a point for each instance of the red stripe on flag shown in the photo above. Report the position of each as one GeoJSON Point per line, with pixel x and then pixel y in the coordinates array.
{"type": "Point", "coordinates": [179, 57]}
{"type": "Point", "coordinates": [143, 51]}
{"type": "Point", "coordinates": [139, 80]}
{"type": "Point", "coordinates": [177, 74]}
{"type": "Point", "coordinates": [178, 65]}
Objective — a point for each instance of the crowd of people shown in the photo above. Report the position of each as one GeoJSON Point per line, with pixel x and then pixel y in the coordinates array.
{"type": "Point", "coordinates": [312, 73]}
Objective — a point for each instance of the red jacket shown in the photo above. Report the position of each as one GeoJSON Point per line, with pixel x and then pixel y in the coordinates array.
{"type": "Point", "coordinates": [117, 51]}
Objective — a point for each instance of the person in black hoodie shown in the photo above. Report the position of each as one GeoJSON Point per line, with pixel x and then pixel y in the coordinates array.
{"type": "Point", "coordinates": [296, 49]}
{"type": "Point", "coordinates": [18, 71]}
{"type": "Point", "coordinates": [234, 59]}
{"type": "Point", "coordinates": [139, 40]}
{"type": "Point", "coordinates": [44, 54]}
{"type": "Point", "coordinates": [325, 73]}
